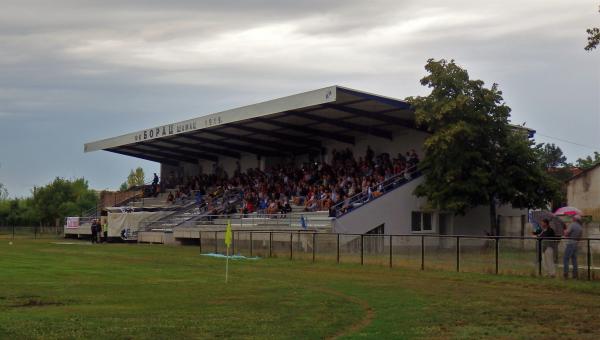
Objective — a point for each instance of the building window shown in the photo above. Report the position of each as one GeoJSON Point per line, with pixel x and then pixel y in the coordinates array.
{"type": "Point", "coordinates": [421, 221]}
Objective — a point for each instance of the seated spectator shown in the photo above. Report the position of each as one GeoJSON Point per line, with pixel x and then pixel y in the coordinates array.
{"type": "Point", "coordinates": [272, 209]}
{"type": "Point", "coordinates": [198, 198]}
{"type": "Point", "coordinates": [170, 198]}
{"type": "Point", "coordinates": [286, 208]}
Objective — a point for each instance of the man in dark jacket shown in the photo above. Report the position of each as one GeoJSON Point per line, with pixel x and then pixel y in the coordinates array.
{"type": "Point", "coordinates": [549, 243]}
{"type": "Point", "coordinates": [95, 226]}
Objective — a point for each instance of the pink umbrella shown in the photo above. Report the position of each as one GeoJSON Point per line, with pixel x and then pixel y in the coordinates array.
{"type": "Point", "coordinates": [569, 211]}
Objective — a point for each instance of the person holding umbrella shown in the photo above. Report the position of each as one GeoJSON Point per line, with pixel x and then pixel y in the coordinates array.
{"type": "Point", "coordinates": [573, 234]}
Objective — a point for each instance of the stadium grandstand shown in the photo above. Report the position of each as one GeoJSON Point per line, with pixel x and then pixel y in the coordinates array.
{"type": "Point", "coordinates": [332, 160]}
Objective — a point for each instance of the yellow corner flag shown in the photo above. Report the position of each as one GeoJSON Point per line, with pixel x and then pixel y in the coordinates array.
{"type": "Point", "coordinates": [228, 234]}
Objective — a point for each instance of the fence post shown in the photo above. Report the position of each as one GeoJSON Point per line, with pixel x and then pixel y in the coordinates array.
{"type": "Point", "coordinates": [291, 245]}
{"type": "Point", "coordinates": [422, 252]}
{"type": "Point", "coordinates": [251, 245]}
{"type": "Point", "coordinates": [13, 234]}
{"type": "Point", "coordinates": [390, 251]}
{"type": "Point", "coordinates": [313, 246]}
{"type": "Point", "coordinates": [361, 249]}
{"type": "Point", "coordinates": [270, 243]}
{"type": "Point", "coordinates": [539, 256]}
{"type": "Point", "coordinates": [497, 251]}
{"type": "Point", "coordinates": [34, 232]}
{"type": "Point", "coordinates": [589, 260]}
{"type": "Point", "coordinates": [232, 242]}
{"type": "Point", "coordinates": [216, 246]}
{"type": "Point", "coordinates": [338, 248]}
{"type": "Point", "coordinates": [458, 253]}
{"type": "Point", "coordinates": [200, 241]}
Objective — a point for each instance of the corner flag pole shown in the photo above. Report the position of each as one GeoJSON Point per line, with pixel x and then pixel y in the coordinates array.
{"type": "Point", "coordinates": [228, 244]}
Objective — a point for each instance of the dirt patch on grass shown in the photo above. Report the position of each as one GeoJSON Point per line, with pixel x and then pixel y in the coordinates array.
{"type": "Point", "coordinates": [362, 323]}
{"type": "Point", "coordinates": [33, 301]}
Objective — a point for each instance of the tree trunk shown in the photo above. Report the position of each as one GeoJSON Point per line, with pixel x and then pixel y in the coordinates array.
{"type": "Point", "coordinates": [493, 220]}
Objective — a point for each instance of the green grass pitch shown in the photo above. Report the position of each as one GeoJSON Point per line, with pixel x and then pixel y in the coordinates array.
{"type": "Point", "coordinates": [50, 290]}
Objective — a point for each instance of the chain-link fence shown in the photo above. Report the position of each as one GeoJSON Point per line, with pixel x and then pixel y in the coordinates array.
{"type": "Point", "coordinates": [528, 256]}
{"type": "Point", "coordinates": [30, 232]}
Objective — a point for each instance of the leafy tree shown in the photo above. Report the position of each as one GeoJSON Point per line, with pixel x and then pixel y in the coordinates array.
{"type": "Point", "coordinates": [17, 211]}
{"type": "Point", "coordinates": [593, 37]}
{"type": "Point", "coordinates": [551, 156]}
{"type": "Point", "coordinates": [136, 177]}
{"type": "Point", "coordinates": [63, 198]}
{"type": "Point", "coordinates": [124, 186]}
{"type": "Point", "coordinates": [555, 163]}
{"type": "Point", "coordinates": [473, 155]}
{"type": "Point", "coordinates": [588, 162]}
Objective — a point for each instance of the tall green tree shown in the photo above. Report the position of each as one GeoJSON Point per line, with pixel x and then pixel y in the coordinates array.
{"type": "Point", "coordinates": [63, 198]}
{"type": "Point", "coordinates": [555, 163]}
{"type": "Point", "coordinates": [551, 156]}
{"type": "Point", "coordinates": [136, 177]}
{"type": "Point", "coordinates": [593, 37]}
{"type": "Point", "coordinates": [474, 156]}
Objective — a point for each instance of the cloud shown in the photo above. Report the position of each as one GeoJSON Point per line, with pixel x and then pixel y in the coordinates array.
{"type": "Point", "coordinates": [74, 71]}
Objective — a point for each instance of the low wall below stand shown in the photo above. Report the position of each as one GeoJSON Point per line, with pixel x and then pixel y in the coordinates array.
{"type": "Point", "coordinates": [156, 237]}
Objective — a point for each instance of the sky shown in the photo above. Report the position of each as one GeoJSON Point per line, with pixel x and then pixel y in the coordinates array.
{"type": "Point", "coordinates": [75, 71]}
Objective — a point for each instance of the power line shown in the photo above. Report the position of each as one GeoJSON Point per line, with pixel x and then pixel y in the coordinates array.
{"type": "Point", "coordinates": [595, 148]}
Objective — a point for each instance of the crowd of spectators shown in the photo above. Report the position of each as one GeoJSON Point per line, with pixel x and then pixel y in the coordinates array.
{"type": "Point", "coordinates": [315, 186]}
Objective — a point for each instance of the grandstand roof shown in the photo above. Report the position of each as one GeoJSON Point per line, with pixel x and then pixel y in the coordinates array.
{"type": "Point", "coordinates": [290, 125]}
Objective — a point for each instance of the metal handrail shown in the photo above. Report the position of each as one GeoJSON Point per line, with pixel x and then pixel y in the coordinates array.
{"type": "Point", "coordinates": [190, 206]}
{"type": "Point", "coordinates": [363, 196]}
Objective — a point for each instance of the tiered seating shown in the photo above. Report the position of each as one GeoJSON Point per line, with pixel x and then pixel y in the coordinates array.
{"type": "Point", "coordinates": [265, 199]}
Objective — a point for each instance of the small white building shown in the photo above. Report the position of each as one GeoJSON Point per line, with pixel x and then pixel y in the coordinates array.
{"type": "Point", "coordinates": [583, 191]}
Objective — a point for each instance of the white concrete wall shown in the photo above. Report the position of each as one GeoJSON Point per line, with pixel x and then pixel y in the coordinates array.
{"type": "Point", "coordinates": [583, 191]}
{"type": "Point", "coordinates": [477, 221]}
{"type": "Point", "coordinates": [394, 211]}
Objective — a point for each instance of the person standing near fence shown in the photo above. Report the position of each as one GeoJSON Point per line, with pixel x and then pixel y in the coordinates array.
{"type": "Point", "coordinates": [573, 232]}
{"type": "Point", "coordinates": [548, 241]}
{"type": "Point", "coordinates": [105, 232]}
{"type": "Point", "coordinates": [94, 230]}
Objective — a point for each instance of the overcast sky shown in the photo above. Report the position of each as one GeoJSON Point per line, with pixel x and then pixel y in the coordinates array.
{"type": "Point", "coordinates": [77, 71]}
